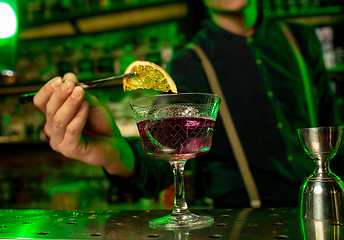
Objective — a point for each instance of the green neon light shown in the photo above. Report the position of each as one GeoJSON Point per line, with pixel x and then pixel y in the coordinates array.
{"type": "Point", "coordinates": [8, 21]}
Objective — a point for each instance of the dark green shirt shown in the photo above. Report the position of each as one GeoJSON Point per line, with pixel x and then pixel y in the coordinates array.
{"type": "Point", "coordinates": [264, 91]}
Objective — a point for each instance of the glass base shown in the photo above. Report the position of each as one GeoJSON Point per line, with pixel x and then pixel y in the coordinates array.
{"type": "Point", "coordinates": [188, 220]}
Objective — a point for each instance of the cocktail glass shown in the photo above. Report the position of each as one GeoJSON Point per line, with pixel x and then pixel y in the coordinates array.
{"type": "Point", "coordinates": [321, 195]}
{"type": "Point", "coordinates": [176, 128]}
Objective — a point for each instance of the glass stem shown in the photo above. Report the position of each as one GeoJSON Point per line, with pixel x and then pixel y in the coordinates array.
{"type": "Point", "coordinates": [180, 206]}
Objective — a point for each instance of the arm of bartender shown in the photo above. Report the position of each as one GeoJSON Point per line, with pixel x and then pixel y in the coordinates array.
{"type": "Point", "coordinates": [79, 127]}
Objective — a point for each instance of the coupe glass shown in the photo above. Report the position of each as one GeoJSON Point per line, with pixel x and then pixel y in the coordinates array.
{"type": "Point", "coordinates": [176, 128]}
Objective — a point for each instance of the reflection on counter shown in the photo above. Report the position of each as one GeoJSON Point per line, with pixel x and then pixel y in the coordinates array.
{"type": "Point", "coordinates": [233, 224]}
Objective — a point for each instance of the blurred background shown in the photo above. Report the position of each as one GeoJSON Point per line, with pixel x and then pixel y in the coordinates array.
{"type": "Point", "coordinates": [40, 39]}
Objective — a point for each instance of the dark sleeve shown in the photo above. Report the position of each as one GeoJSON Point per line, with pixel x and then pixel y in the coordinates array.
{"type": "Point", "coordinates": [152, 176]}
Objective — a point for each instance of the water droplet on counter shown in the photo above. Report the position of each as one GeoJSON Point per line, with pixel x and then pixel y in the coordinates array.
{"type": "Point", "coordinates": [252, 224]}
{"type": "Point", "coordinates": [281, 236]}
{"type": "Point", "coordinates": [215, 236]}
{"type": "Point", "coordinates": [221, 224]}
{"type": "Point", "coordinates": [277, 224]}
{"type": "Point", "coordinates": [96, 234]}
{"type": "Point", "coordinates": [274, 215]}
{"type": "Point", "coordinates": [153, 235]}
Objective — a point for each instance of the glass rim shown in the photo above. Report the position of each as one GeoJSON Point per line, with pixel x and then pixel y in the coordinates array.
{"type": "Point", "coordinates": [173, 94]}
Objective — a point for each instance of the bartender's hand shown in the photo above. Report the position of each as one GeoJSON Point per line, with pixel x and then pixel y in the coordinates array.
{"type": "Point", "coordinates": [79, 127]}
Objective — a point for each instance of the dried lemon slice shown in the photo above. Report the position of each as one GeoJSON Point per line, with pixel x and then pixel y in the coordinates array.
{"type": "Point", "coordinates": [148, 76]}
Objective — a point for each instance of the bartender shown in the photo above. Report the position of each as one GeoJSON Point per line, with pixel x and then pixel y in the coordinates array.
{"type": "Point", "coordinates": [264, 88]}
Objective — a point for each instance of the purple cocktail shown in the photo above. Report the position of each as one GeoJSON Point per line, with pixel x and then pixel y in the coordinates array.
{"type": "Point", "coordinates": [177, 127]}
{"type": "Point", "coordinates": [176, 138]}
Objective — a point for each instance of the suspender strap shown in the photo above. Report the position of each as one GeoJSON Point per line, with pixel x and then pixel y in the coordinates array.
{"type": "Point", "coordinates": [232, 134]}
{"type": "Point", "coordinates": [303, 70]}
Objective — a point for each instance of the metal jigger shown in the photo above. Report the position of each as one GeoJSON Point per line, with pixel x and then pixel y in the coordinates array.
{"type": "Point", "coordinates": [321, 229]}
{"type": "Point", "coordinates": [321, 195]}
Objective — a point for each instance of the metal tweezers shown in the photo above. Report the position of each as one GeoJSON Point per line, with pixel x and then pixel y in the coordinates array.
{"type": "Point", "coordinates": [28, 97]}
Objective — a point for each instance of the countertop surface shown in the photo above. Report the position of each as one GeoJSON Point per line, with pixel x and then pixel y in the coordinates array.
{"type": "Point", "coordinates": [274, 223]}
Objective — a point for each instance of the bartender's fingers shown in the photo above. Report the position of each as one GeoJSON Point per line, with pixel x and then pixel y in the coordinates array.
{"type": "Point", "coordinates": [42, 97]}
{"type": "Point", "coordinates": [70, 77]}
{"type": "Point", "coordinates": [64, 115]}
{"type": "Point", "coordinates": [73, 146]}
{"type": "Point", "coordinates": [58, 98]}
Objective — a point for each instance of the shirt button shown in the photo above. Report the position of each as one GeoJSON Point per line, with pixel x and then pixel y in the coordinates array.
{"type": "Point", "coordinates": [259, 61]}
{"type": "Point", "coordinates": [290, 158]}
{"type": "Point", "coordinates": [249, 39]}
{"type": "Point", "coordinates": [280, 125]}
{"type": "Point", "coordinates": [270, 94]}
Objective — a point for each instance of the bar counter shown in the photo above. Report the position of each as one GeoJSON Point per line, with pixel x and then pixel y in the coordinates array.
{"type": "Point", "coordinates": [260, 224]}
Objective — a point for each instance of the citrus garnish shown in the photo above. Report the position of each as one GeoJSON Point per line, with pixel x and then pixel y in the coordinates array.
{"type": "Point", "coordinates": [148, 76]}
